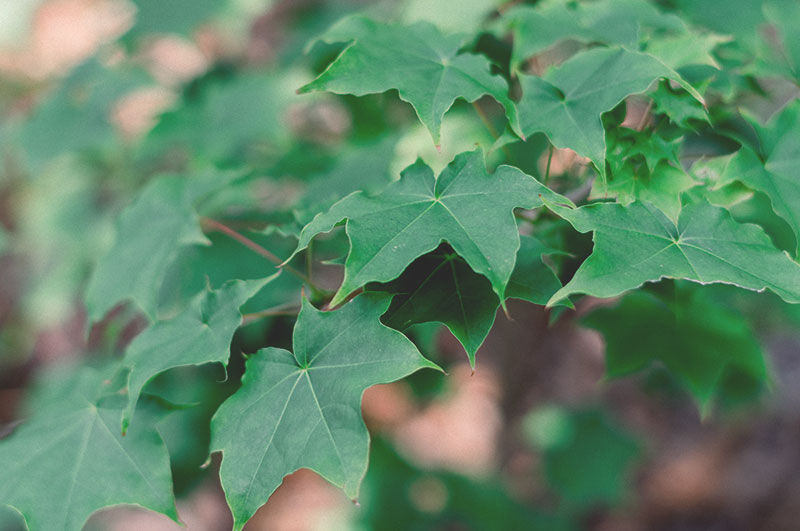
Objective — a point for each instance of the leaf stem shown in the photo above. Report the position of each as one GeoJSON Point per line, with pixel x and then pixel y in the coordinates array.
{"type": "Point", "coordinates": [485, 119]}
{"type": "Point", "coordinates": [645, 115]}
{"type": "Point", "coordinates": [256, 248]}
{"type": "Point", "coordinates": [549, 160]}
{"type": "Point", "coordinates": [275, 311]}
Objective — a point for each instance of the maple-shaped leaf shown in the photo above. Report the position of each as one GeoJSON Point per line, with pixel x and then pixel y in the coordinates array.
{"type": "Point", "coordinates": [687, 48]}
{"type": "Point", "coordinates": [643, 166]}
{"type": "Point", "coordinates": [772, 166]}
{"type": "Point", "coordinates": [681, 108]}
{"type": "Point", "coordinates": [638, 243]}
{"type": "Point", "coordinates": [538, 27]}
{"type": "Point", "coordinates": [424, 65]}
{"type": "Point", "coordinates": [440, 286]}
{"type": "Point", "coordinates": [465, 206]}
{"type": "Point", "coordinates": [150, 232]}
{"type": "Point", "coordinates": [70, 460]}
{"type": "Point", "coordinates": [303, 410]}
{"type": "Point", "coordinates": [695, 338]}
{"type": "Point", "coordinates": [566, 104]}
{"type": "Point", "coordinates": [201, 333]}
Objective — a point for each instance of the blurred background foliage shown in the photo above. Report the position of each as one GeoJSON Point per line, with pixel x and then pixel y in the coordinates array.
{"type": "Point", "coordinates": [99, 96]}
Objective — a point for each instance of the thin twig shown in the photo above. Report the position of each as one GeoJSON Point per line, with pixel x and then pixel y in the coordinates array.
{"type": "Point", "coordinates": [256, 248]}
{"type": "Point", "coordinates": [645, 116]}
{"type": "Point", "coordinates": [277, 311]}
{"type": "Point", "coordinates": [485, 119]}
{"type": "Point", "coordinates": [549, 160]}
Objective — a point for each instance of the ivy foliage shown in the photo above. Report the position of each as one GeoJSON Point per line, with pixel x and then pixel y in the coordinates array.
{"type": "Point", "coordinates": [247, 203]}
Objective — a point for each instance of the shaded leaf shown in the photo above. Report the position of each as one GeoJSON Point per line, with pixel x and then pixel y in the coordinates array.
{"type": "Point", "coordinates": [440, 286]}
{"type": "Point", "coordinates": [150, 232]}
{"type": "Point", "coordinates": [70, 460]}
{"type": "Point", "coordinates": [772, 166]}
{"type": "Point", "coordinates": [202, 333]}
{"type": "Point", "coordinates": [696, 339]}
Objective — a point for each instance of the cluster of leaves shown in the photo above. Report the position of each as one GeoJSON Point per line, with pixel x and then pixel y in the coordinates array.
{"type": "Point", "coordinates": [686, 171]}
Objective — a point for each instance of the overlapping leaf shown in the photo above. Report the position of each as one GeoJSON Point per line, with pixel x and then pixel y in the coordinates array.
{"type": "Point", "coordinates": [440, 286]}
{"type": "Point", "coordinates": [536, 28]}
{"type": "Point", "coordinates": [567, 102]}
{"type": "Point", "coordinates": [773, 166]}
{"type": "Point", "coordinates": [698, 341]}
{"type": "Point", "coordinates": [150, 232]}
{"type": "Point", "coordinates": [70, 460]}
{"type": "Point", "coordinates": [637, 243]}
{"type": "Point", "coordinates": [421, 63]}
{"type": "Point", "coordinates": [302, 410]}
{"type": "Point", "coordinates": [202, 333]}
{"type": "Point", "coordinates": [465, 206]}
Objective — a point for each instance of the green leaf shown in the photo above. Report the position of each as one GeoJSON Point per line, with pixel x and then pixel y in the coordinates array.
{"type": "Point", "coordinates": [214, 125]}
{"type": "Point", "coordinates": [679, 105]}
{"type": "Point", "coordinates": [586, 454]}
{"type": "Point", "coordinates": [536, 28]}
{"type": "Point", "coordinates": [450, 15]}
{"type": "Point", "coordinates": [465, 206]}
{"type": "Point", "coordinates": [70, 460]}
{"type": "Point", "coordinates": [302, 410]}
{"type": "Point", "coordinates": [175, 16]}
{"type": "Point", "coordinates": [566, 104]}
{"type": "Point", "coordinates": [202, 333]}
{"type": "Point", "coordinates": [772, 167]}
{"type": "Point", "coordinates": [637, 243]}
{"type": "Point", "coordinates": [440, 286]}
{"type": "Point", "coordinates": [419, 61]}
{"type": "Point", "coordinates": [661, 187]}
{"type": "Point", "coordinates": [686, 48]}
{"type": "Point", "coordinates": [77, 115]}
{"type": "Point", "coordinates": [695, 338]}
{"type": "Point", "coordinates": [150, 232]}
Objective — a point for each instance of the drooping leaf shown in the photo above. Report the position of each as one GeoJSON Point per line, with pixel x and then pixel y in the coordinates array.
{"type": "Point", "coordinates": [637, 243]}
{"type": "Point", "coordinates": [465, 206]}
{"type": "Point", "coordinates": [772, 166]}
{"type": "Point", "coordinates": [699, 341]}
{"type": "Point", "coordinates": [419, 61]}
{"type": "Point", "coordinates": [566, 104]}
{"type": "Point", "coordinates": [201, 334]}
{"type": "Point", "coordinates": [302, 410]}
{"type": "Point", "coordinates": [440, 286]}
{"type": "Point", "coordinates": [70, 460]}
{"type": "Point", "coordinates": [149, 234]}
